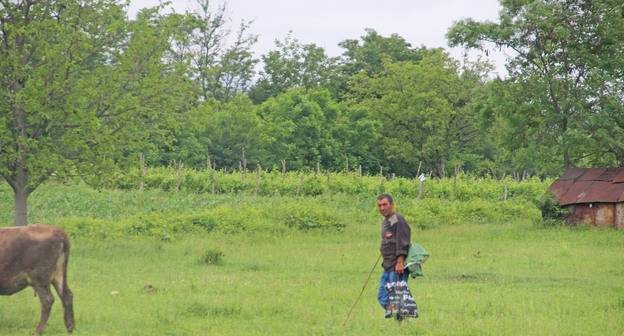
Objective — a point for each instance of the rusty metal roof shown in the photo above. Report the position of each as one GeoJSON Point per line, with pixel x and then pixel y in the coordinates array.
{"type": "Point", "coordinates": [589, 185]}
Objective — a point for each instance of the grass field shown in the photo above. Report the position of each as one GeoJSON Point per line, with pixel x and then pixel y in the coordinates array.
{"type": "Point", "coordinates": [504, 278]}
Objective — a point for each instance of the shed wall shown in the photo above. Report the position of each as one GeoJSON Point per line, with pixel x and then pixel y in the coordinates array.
{"type": "Point", "coordinates": [619, 215]}
{"type": "Point", "coordinates": [596, 214]}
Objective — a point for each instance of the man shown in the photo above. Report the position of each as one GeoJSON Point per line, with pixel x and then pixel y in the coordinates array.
{"type": "Point", "coordinates": [395, 243]}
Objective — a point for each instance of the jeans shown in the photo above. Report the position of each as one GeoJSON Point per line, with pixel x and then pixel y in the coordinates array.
{"type": "Point", "coordinates": [388, 277]}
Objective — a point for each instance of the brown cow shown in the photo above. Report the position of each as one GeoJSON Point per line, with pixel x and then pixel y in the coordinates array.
{"type": "Point", "coordinates": [36, 255]}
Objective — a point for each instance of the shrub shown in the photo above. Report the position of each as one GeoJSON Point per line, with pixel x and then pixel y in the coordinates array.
{"type": "Point", "coordinates": [212, 257]}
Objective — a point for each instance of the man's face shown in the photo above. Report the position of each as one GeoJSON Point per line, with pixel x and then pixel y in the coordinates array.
{"type": "Point", "coordinates": [385, 207]}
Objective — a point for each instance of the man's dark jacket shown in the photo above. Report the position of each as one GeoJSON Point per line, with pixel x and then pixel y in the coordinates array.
{"type": "Point", "coordinates": [395, 240]}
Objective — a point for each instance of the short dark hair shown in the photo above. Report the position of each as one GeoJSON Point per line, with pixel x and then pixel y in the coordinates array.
{"type": "Point", "coordinates": [386, 196]}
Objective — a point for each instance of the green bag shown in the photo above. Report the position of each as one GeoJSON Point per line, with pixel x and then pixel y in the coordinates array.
{"type": "Point", "coordinates": [416, 256]}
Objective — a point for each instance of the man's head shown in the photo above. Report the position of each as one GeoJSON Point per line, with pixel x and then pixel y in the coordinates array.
{"type": "Point", "coordinates": [385, 204]}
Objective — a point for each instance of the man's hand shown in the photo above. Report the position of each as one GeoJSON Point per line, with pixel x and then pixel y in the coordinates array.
{"type": "Point", "coordinates": [399, 266]}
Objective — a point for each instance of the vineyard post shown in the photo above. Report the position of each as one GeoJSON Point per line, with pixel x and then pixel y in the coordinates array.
{"type": "Point", "coordinates": [144, 169]}
{"type": "Point", "coordinates": [257, 181]}
{"type": "Point", "coordinates": [244, 164]}
{"type": "Point", "coordinates": [493, 174]}
{"type": "Point", "coordinates": [180, 176]}
{"type": "Point", "coordinates": [300, 182]}
{"type": "Point", "coordinates": [328, 184]}
{"type": "Point", "coordinates": [214, 168]}
{"type": "Point", "coordinates": [505, 195]}
{"type": "Point", "coordinates": [455, 181]}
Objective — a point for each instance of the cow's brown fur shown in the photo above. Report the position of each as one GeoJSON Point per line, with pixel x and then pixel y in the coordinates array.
{"type": "Point", "coordinates": [36, 255]}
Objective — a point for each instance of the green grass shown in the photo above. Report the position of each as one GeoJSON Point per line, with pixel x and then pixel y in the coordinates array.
{"type": "Point", "coordinates": [509, 279]}
{"type": "Point", "coordinates": [491, 272]}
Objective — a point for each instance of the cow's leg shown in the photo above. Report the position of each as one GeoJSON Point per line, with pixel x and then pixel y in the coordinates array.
{"type": "Point", "coordinates": [67, 298]}
{"type": "Point", "coordinates": [47, 299]}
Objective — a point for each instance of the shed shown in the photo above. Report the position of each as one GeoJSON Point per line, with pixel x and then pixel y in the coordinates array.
{"type": "Point", "coordinates": [591, 195]}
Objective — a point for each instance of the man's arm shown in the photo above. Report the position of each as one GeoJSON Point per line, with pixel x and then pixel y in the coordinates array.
{"type": "Point", "coordinates": [399, 269]}
{"type": "Point", "coordinates": [404, 236]}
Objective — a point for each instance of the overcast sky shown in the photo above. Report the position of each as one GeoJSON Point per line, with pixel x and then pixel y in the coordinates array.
{"type": "Point", "coordinates": [328, 22]}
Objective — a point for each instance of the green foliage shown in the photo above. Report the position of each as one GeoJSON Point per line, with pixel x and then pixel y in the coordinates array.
{"type": "Point", "coordinates": [81, 87]}
{"type": "Point", "coordinates": [306, 217]}
{"type": "Point", "coordinates": [420, 111]}
{"type": "Point", "coordinates": [553, 215]}
{"type": "Point", "coordinates": [293, 65]}
{"type": "Point", "coordinates": [213, 257]}
{"type": "Point", "coordinates": [273, 183]}
{"type": "Point", "coordinates": [564, 93]}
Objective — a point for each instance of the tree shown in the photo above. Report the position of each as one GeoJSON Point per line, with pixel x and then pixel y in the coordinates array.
{"type": "Point", "coordinates": [80, 86]}
{"type": "Point", "coordinates": [221, 70]}
{"type": "Point", "coordinates": [293, 65]}
{"type": "Point", "coordinates": [368, 55]}
{"type": "Point", "coordinates": [232, 128]}
{"type": "Point", "coordinates": [420, 110]}
{"type": "Point", "coordinates": [300, 122]}
{"type": "Point", "coordinates": [566, 76]}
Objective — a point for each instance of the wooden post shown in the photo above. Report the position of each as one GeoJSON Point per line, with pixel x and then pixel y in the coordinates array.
{"type": "Point", "coordinates": [381, 170]}
{"type": "Point", "coordinates": [142, 160]}
{"type": "Point", "coordinates": [328, 184]}
{"type": "Point", "coordinates": [214, 168]}
{"type": "Point", "coordinates": [257, 181]}
{"type": "Point", "coordinates": [420, 189]}
{"type": "Point", "coordinates": [240, 168]}
{"type": "Point", "coordinates": [493, 174]}
{"type": "Point", "coordinates": [347, 165]}
{"type": "Point", "coordinates": [180, 176]}
{"type": "Point", "coordinates": [505, 195]}
{"type": "Point", "coordinates": [208, 165]}
{"type": "Point", "coordinates": [318, 169]}
{"type": "Point", "coordinates": [418, 171]}
{"type": "Point", "coordinates": [283, 171]}
{"type": "Point", "coordinates": [382, 181]}
{"type": "Point", "coordinates": [360, 171]}
{"type": "Point", "coordinates": [244, 164]}
{"type": "Point", "coordinates": [300, 183]}
{"type": "Point", "coordinates": [393, 176]}
{"type": "Point", "coordinates": [455, 181]}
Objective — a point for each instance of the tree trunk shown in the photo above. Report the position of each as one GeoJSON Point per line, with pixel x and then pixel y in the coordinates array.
{"type": "Point", "coordinates": [21, 208]}
{"type": "Point", "coordinates": [21, 193]}
{"type": "Point", "coordinates": [566, 159]}
{"type": "Point", "coordinates": [441, 168]}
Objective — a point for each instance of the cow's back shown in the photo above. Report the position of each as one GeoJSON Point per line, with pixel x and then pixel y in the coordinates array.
{"type": "Point", "coordinates": [30, 251]}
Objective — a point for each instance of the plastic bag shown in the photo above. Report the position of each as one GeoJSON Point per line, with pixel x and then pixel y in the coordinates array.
{"type": "Point", "coordinates": [401, 303]}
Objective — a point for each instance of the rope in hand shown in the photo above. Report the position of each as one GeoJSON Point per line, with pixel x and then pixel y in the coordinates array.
{"type": "Point", "coordinates": [358, 298]}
